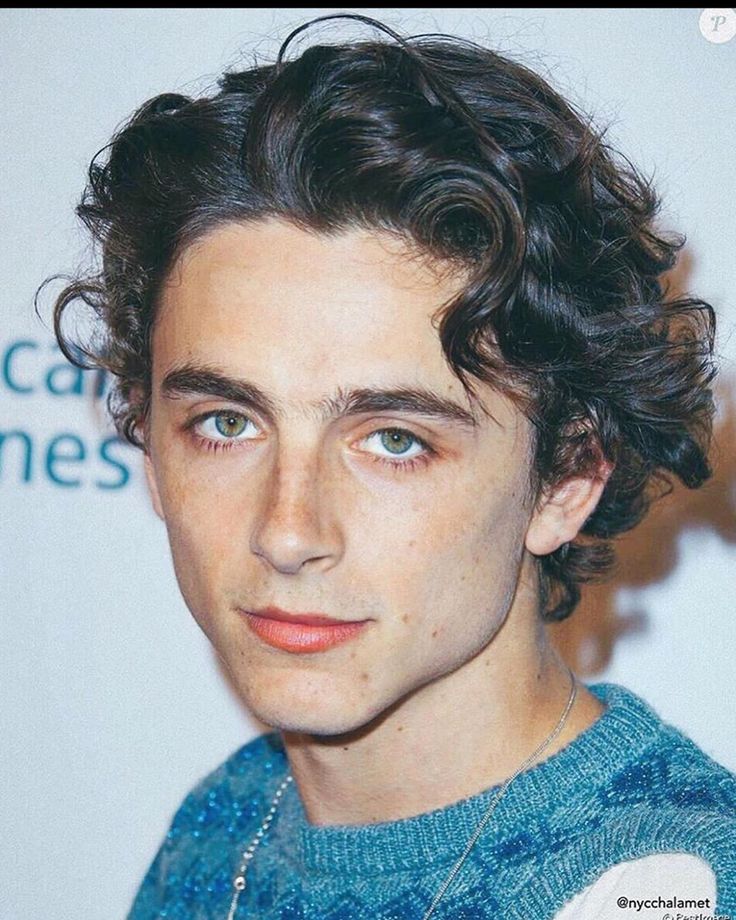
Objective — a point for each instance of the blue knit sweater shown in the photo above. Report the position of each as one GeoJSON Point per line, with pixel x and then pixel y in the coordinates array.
{"type": "Point", "coordinates": [628, 786]}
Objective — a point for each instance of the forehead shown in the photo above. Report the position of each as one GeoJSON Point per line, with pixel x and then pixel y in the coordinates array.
{"type": "Point", "coordinates": [302, 313]}
{"type": "Point", "coordinates": [291, 279]}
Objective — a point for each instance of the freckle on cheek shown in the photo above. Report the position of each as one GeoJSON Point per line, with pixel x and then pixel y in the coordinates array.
{"type": "Point", "coordinates": [364, 675]}
{"type": "Point", "coordinates": [434, 633]}
{"type": "Point", "coordinates": [405, 617]}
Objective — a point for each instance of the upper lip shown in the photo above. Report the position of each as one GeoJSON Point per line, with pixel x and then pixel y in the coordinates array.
{"type": "Point", "coordinates": [308, 619]}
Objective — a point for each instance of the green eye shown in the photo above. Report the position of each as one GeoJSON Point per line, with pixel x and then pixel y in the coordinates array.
{"type": "Point", "coordinates": [222, 429]}
{"type": "Point", "coordinates": [401, 450]}
{"type": "Point", "coordinates": [229, 424]}
{"type": "Point", "coordinates": [396, 441]}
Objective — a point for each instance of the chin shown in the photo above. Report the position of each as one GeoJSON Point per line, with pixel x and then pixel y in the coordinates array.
{"type": "Point", "coordinates": [296, 713]}
{"type": "Point", "coordinates": [324, 723]}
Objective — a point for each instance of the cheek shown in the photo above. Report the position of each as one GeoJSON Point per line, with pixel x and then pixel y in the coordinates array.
{"type": "Point", "coordinates": [456, 554]}
{"type": "Point", "coordinates": [204, 526]}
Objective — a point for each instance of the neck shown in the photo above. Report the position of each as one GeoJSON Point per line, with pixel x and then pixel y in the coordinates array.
{"type": "Point", "coordinates": [493, 712]}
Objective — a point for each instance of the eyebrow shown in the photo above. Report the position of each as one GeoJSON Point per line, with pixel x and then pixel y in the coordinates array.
{"type": "Point", "coordinates": [191, 379]}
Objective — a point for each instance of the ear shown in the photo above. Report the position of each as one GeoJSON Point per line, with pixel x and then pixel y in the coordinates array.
{"type": "Point", "coordinates": [152, 485]}
{"type": "Point", "coordinates": [565, 509]}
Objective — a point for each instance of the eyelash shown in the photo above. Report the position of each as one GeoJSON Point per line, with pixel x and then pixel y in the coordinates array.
{"type": "Point", "coordinates": [401, 466]}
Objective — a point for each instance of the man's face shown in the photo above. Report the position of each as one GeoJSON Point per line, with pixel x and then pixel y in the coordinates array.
{"type": "Point", "coordinates": [420, 531]}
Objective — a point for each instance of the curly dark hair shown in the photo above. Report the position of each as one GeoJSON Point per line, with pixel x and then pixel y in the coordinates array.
{"type": "Point", "coordinates": [475, 161]}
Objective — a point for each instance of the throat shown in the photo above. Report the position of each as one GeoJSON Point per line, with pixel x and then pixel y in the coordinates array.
{"type": "Point", "coordinates": [405, 766]}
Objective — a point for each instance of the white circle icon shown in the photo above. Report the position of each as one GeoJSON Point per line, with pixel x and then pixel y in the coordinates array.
{"type": "Point", "coordinates": [717, 26]}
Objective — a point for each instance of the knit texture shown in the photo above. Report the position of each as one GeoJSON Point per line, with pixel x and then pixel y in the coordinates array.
{"type": "Point", "coordinates": [628, 786]}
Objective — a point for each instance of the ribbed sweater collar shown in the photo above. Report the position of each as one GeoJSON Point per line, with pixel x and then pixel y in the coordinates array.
{"type": "Point", "coordinates": [626, 728]}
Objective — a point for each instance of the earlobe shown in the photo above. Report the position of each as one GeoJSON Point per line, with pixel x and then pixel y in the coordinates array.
{"type": "Point", "coordinates": [152, 485]}
{"type": "Point", "coordinates": [565, 510]}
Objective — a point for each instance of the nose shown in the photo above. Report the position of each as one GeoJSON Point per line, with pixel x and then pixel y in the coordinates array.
{"type": "Point", "coordinates": [295, 525]}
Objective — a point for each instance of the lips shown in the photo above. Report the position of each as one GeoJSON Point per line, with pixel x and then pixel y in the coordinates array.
{"type": "Point", "coordinates": [308, 619]}
{"type": "Point", "coordinates": [301, 632]}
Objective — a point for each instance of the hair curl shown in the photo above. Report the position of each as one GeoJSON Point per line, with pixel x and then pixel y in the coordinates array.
{"type": "Point", "coordinates": [475, 161]}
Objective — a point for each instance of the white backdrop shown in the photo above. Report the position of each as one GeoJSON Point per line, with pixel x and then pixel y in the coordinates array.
{"type": "Point", "coordinates": [113, 705]}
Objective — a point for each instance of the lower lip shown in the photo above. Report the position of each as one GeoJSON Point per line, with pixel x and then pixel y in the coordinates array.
{"type": "Point", "coordinates": [300, 637]}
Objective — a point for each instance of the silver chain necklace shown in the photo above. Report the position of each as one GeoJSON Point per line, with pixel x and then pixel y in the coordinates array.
{"type": "Point", "coordinates": [247, 856]}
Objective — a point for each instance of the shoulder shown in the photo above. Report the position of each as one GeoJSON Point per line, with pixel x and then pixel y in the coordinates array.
{"type": "Point", "coordinates": [666, 796]}
{"type": "Point", "coordinates": [667, 769]}
{"type": "Point", "coordinates": [670, 874]}
{"type": "Point", "coordinates": [630, 787]}
{"type": "Point", "coordinates": [237, 779]}
{"type": "Point", "coordinates": [221, 808]}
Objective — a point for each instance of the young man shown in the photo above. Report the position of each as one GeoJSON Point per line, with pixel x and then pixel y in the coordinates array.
{"type": "Point", "coordinates": [387, 323]}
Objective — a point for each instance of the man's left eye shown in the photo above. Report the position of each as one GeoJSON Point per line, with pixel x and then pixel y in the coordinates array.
{"type": "Point", "coordinates": [397, 441]}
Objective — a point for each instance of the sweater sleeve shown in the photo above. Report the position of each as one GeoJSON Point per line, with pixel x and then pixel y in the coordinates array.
{"type": "Point", "coordinates": [661, 875]}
